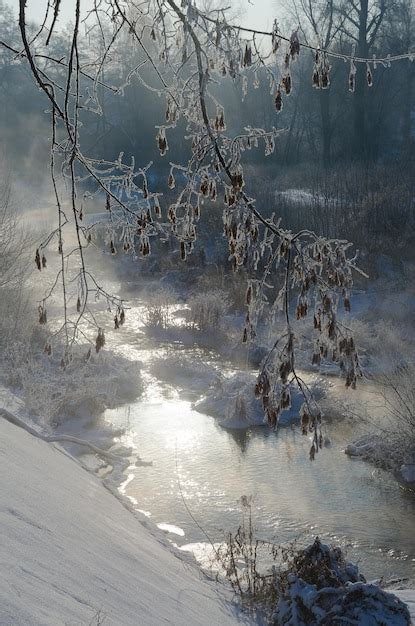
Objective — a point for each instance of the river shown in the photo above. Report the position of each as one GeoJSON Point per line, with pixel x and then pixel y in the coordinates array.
{"type": "Point", "coordinates": [200, 471]}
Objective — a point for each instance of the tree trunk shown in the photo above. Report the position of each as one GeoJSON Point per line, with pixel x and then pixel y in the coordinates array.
{"type": "Point", "coordinates": [360, 147]}
{"type": "Point", "coordinates": [407, 136]}
{"type": "Point", "coordinates": [325, 125]}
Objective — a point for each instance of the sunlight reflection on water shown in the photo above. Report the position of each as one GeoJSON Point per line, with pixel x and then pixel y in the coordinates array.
{"type": "Point", "coordinates": [343, 500]}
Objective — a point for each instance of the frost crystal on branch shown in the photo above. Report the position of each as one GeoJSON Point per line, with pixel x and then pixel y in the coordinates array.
{"type": "Point", "coordinates": [188, 52]}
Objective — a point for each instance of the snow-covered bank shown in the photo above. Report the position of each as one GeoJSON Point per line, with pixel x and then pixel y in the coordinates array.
{"type": "Point", "coordinates": [72, 553]}
{"type": "Point", "coordinates": [232, 402]}
{"type": "Point", "coordinates": [374, 449]}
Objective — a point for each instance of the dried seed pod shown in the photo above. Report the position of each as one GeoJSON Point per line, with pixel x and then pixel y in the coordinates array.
{"type": "Point", "coordinates": [249, 295]}
{"type": "Point", "coordinates": [171, 181]}
{"type": "Point", "coordinates": [43, 261]}
{"type": "Point", "coordinates": [42, 314]}
{"type": "Point", "coordinates": [145, 189]}
{"type": "Point", "coordinates": [284, 370]}
{"type": "Point", "coordinates": [312, 452]}
{"type": "Point", "coordinates": [305, 420]}
{"type": "Point", "coordinates": [285, 401]}
{"type": "Point", "coordinates": [369, 76]}
{"type": "Point", "coordinates": [212, 190]}
{"type": "Point", "coordinates": [162, 141]}
{"type": "Point", "coordinates": [286, 83]}
{"type": "Point", "coordinates": [247, 57]}
{"type": "Point", "coordinates": [38, 261]}
{"type": "Point", "coordinates": [99, 340]}
{"type": "Point", "coordinates": [122, 317]}
{"type": "Point", "coordinates": [116, 322]}
{"type": "Point", "coordinates": [352, 76]}
{"type": "Point", "coordinates": [278, 100]}
{"type": "Point", "coordinates": [317, 321]}
{"type": "Point", "coordinates": [275, 40]}
{"type": "Point", "coordinates": [157, 207]}
{"type": "Point", "coordinates": [326, 303]}
{"type": "Point", "coordinates": [294, 44]}
{"type": "Point", "coordinates": [108, 202]}
{"type": "Point", "coordinates": [245, 335]}
{"type": "Point", "coordinates": [331, 329]}
{"type": "Point", "coordinates": [112, 248]}
{"type": "Point", "coordinates": [182, 251]}
{"type": "Point", "coordinates": [78, 305]}
{"type": "Point", "coordinates": [325, 79]}
{"type": "Point", "coordinates": [204, 186]}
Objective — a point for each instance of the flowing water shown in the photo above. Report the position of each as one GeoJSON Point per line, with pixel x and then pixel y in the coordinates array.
{"type": "Point", "coordinates": [200, 471]}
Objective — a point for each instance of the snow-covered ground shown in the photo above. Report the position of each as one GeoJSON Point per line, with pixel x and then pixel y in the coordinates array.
{"type": "Point", "coordinates": [371, 447]}
{"type": "Point", "coordinates": [71, 553]}
{"type": "Point", "coordinates": [232, 401]}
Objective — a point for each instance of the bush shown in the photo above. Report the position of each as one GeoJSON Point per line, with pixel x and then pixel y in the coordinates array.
{"type": "Point", "coordinates": [314, 585]}
{"type": "Point", "coordinates": [158, 308]}
{"type": "Point", "coordinates": [15, 249]}
{"type": "Point", "coordinates": [208, 309]}
{"type": "Point", "coordinates": [391, 444]}
{"type": "Point", "coordinates": [53, 393]}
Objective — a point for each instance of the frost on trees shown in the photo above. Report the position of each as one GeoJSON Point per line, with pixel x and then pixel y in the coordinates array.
{"type": "Point", "coordinates": [188, 51]}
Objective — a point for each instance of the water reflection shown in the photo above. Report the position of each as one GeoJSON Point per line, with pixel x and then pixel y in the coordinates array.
{"type": "Point", "coordinates": [241, 437]}
{"type": "Point", "coordinates": [343, 500]}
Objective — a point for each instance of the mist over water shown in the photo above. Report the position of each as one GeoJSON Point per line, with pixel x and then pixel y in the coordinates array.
{"type": "Point", "coordinates": [198, 466]}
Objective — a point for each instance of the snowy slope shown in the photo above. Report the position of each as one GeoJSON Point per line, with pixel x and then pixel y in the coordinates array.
{"type": "Point", "coordinates": [71, 554]}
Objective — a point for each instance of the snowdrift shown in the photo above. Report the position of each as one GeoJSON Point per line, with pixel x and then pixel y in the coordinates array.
{"type": "Point", "coordinates": [71, 553]}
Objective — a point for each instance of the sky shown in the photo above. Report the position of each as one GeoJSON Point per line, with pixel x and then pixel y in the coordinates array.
{"type": "Point", "coordinates": [254, 13]}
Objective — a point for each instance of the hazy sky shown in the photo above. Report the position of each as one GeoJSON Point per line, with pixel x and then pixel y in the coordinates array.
{"type": "Point", "coordinates": [255, 13]}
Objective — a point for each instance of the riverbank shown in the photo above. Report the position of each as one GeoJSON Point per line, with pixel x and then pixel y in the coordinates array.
{"type": "Point", "coordinates": [71, 553]}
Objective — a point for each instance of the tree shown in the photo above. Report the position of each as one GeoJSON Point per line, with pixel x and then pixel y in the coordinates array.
{"type": "Point", "coordinates": [182, 55]}
{"type": "Point", "coordinates": [361, 22]}
{"type": "Point", "coordinates": [322, 20]}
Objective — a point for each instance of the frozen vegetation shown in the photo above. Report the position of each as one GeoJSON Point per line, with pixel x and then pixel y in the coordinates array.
{"type": "Point", "coordinates": [230, 399]}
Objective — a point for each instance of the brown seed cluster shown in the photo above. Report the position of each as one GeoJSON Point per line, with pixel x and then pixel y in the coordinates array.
{"type": "Point", "coordinates": [119, 318]}
{"type": "Point", "coordinates": [247, 56]}
{"type": "Point", "coordinates": [162, 141]}
{"type": "Point", "coordinates": [219, 121]}
{"type": "Point", "coordinates": [40, 260]}
{"type": "Point", "coordinates": [99, 340]}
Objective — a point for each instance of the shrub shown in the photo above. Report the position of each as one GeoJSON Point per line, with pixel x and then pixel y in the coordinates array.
{"type": "Point", "coordinates": [312, 585]}
{"type": "Point", "coordinates": [208, 309]}
{"type": "Point", "coordinates": [15, 248]}
{"type": "Point", "coordinates": [158, 307]}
